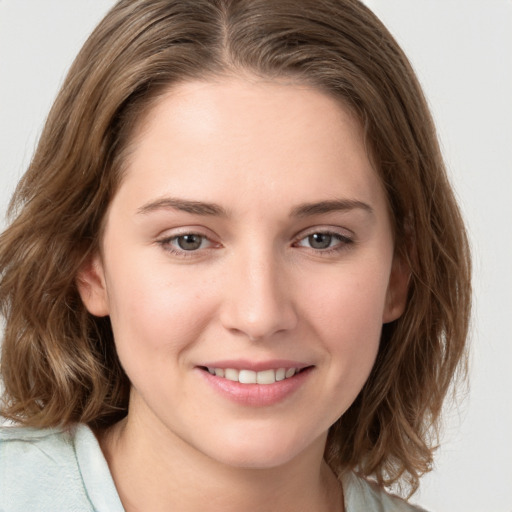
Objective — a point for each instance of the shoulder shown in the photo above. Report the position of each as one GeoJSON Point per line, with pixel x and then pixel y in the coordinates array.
{"type": "Point", "coordinates": [39, 470]}
{"type": "Point", "coordinates": [34, 442]}
{"type": "Point", "coordinates": [364, 496]}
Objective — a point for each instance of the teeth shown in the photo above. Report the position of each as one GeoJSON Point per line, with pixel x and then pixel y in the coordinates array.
{"type": "Point", "coordinates": [266, 377]}
{"type": "Point", "coordinates": [252, 377]}
{"type": "Point", "coordinates": [289, 373]}
{"type": "Point", "coordinates": [281, 374]}
{"type": "Point", "coordinates": [231, 374]}
{"type": "Point", "coordinates": [247, 377]}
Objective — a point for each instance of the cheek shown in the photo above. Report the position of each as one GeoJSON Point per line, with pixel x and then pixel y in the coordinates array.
{"type": "Point", "coordinates": [346, 316]}
{"type": "Point", "coordinates": [349, 302]}
{"type": "Point", "coordinates": [155, 312]}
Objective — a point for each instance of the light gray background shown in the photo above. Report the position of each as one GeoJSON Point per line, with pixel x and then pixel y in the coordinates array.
{"type": "Point", "coordinates": [462, 52]}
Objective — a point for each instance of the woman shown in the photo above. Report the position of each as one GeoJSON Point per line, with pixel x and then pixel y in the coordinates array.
{"type": "Point", "coordinates": [236, 275]}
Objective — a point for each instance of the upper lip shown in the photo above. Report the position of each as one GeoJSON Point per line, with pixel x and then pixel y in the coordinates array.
{"type": "Point", "coordinates": [256, 366]}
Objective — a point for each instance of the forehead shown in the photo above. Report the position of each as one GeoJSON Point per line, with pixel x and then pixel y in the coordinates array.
{"type": "Point", "coordinates": [202, 138]}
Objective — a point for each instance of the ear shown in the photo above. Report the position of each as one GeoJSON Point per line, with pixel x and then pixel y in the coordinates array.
{"type": "Point", "coordinates": [398, 286]}
{"type": "Point", "coordinates": [92, 286]}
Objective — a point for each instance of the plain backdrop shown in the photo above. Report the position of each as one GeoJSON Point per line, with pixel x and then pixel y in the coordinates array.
{"type": "Point", "coordinates": [462, 52]}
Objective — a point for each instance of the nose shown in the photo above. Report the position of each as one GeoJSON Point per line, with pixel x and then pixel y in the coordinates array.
{"type": "Point", "coordinates": [258, 297]}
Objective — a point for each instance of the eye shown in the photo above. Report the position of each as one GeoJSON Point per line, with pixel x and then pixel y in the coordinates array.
{"type": "Point", "coordinates": [320, 240]}
{"type": "Point", "coordinates": [186, 243]}
{"type": "Point", "coordinates": [189, 242]}
{"type": "Point", "coordinates": [324, 241]}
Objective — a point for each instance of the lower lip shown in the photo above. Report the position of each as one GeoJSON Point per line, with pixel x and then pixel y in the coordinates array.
{"type": "Point", "coordinates": [256, 395]}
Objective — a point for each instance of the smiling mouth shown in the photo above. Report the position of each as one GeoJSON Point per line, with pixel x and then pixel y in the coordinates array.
{"type": "Point", "coordinates": [252, 377]}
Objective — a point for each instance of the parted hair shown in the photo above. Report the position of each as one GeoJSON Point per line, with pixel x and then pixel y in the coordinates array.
{"type": "Point", "coordinates": [59, 363]}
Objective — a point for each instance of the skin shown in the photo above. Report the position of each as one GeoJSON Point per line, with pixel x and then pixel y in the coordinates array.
{"type": "Point", "coordinates": [255, 289]}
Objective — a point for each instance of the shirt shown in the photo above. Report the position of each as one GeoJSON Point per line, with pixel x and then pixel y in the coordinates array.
{"type": "Point", "coordinates": [56, 470]}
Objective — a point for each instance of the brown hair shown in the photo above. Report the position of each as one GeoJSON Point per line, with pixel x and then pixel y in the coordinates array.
{"type": "Point", "coordinates": [59, 363]}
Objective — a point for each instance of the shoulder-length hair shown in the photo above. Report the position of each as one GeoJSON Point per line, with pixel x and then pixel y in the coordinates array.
{"type": "Point", "coordinates": [59, 363]}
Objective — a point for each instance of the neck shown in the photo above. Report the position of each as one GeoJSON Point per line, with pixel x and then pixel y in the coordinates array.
{"type": "Point", "coordinates": [160, 472]}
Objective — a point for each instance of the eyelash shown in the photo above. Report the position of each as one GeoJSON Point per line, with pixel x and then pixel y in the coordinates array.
{"type": "Point", "coordinates": [342, 242]}
{"type": "Point", "coordinates": [166, 244]}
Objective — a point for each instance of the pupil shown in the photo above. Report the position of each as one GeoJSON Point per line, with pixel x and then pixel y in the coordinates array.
{"type": "Point", "coordinates": [320, 240]}
{"type": "Point", "coordinates": [189, 242]}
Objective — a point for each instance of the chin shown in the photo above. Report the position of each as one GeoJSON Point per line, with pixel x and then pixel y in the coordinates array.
{"type": "Point", "coordinates": [256, 459]}
{"type": "Point", "coordinates": [263, 452]}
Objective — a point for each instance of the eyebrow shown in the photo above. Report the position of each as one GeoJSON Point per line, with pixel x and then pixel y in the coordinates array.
{"type": "Point", "coordinates": [309, 209]}
{"type": "Point", "coordinates": [184, 205]}
{"type": "Point", "coordinates": [212, 209]}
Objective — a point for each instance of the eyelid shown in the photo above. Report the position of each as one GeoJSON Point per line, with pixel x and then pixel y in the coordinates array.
{"type": "Point", "coordinates": [165, 241]}
{"type": "Point", "coordinates": [327, 230]}
{"type": "Point", "coordinates": [340, 233]}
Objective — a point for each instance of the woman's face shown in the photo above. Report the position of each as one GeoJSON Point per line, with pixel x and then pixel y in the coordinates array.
{"type": "Point", "coordinates": [247, 267]}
